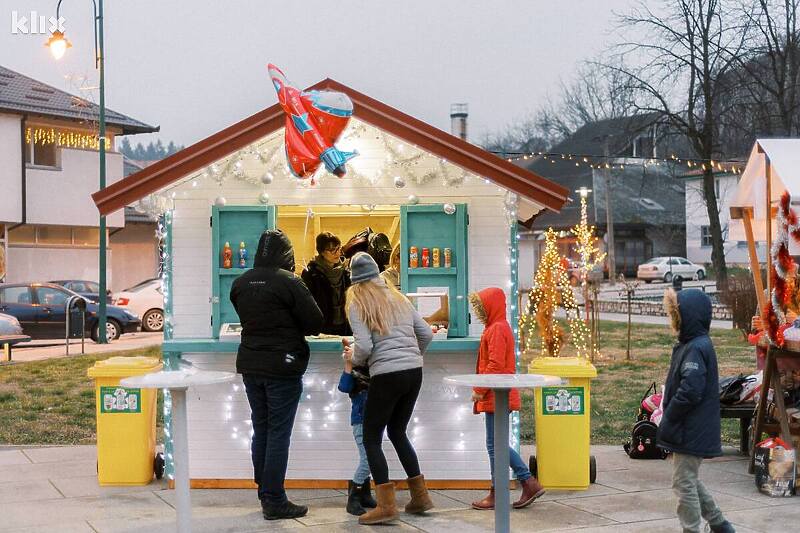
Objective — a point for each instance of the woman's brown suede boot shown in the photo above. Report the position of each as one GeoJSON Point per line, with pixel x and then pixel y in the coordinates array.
{"type": "Point", "coordinates": [386, 511]}
{"type": "Point", "coordinates": [420, 500]}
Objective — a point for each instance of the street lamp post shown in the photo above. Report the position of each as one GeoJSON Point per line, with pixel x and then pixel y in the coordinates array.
{"type": "Point", "coordinates": [58, 45]}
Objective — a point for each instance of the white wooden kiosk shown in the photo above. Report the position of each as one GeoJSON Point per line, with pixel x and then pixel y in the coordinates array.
{"type": "Point", "coordinates": [421, 186]}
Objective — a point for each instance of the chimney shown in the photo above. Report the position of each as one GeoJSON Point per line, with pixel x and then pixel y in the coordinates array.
{"type": "Point", "coordinates": [458, 120]}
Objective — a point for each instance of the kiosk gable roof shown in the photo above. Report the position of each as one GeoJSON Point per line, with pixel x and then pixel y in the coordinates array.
{"type": "Point", "coordinates": [225, 142]}
{"type": "Point", "coordinates": [784, 158]}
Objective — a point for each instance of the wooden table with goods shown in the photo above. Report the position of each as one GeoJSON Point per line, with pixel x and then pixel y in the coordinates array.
{"type": "Point", "coordinates": [771, 380]}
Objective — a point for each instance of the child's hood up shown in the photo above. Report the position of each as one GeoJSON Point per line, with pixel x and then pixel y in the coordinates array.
{"type": "Point", "coordinates": [489, 305]}
{"type": "Point", "coordinates": [690, 312]}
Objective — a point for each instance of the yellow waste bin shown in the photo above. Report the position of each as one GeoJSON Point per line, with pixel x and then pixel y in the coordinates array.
{"type": "Point", "coordinates": [563, 430]}
{"type": "Point", "coordinates": [126, 422]}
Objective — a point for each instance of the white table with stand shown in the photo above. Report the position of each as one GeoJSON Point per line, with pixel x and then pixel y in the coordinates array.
{"type": "Point", "coordinates": [177, 382]}
{"type": "Point", "coordinates": [501, 385]}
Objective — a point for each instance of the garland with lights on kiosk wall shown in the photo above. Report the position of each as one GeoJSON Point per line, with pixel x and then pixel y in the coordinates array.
{"type": "Point", "coordinates": [64, 138]}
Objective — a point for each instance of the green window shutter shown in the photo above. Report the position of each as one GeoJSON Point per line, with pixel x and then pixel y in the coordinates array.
{"type": "Point", "coordinates": [428, 226]}
{"type": "Point", "coordinates": [233, 224]}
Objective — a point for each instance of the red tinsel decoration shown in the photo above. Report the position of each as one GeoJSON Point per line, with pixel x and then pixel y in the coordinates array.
{"type": "Point", "coordinates": [787, 225]}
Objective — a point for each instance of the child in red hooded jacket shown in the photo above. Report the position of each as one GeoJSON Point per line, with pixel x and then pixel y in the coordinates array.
{"type": "Point", "coordinates": [497, 355]}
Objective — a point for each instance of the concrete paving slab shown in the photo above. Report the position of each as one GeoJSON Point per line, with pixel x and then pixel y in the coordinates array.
{"type": "Point", "coordinates": [23, 491]}
{"type": "Point", "coordinates": [60, 454]}
{"type": "Point", "coordinates": [118, 507]}
{"type": "Point", "coordinates": [441, 499]}
{"type": "Point", "coordinates": [653, 526]}
{"type": "Point", "coordinates": [353, 525]}
{"type": "Point", "coordinates": [31, 471]}
{"type": "Point", "coordinates": [13, 457]}
{"type": "Point", "coordinates": [648, 505]}
{"type": "Point", "coordinates": [634, 480]}
{"type": "Point", "coordinates": [748, 490]}
{"type": "Point", "coordinates": [326, 511]}
{"type": "Point", "coordinates": [80, 486]}
{"type": "Point", "coordinates": [204, 519]}
{"type": "Point", "coordinates": [769, 519]}
{"type": "Point", "coordinates": [71, 527]}
{"type": "Point", "coordinates": [245, 497]}
{"type": "Point", "coordinates": [541, 516]}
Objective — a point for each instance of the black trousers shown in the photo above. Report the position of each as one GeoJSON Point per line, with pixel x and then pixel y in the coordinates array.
{"type": "Point", "coordinates": [273, 405]}
{"type": "Point", "coordinates": [390, 404]}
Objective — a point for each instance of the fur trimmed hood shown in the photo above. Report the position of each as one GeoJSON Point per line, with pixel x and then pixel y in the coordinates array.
{"type": "Point", "coordinates": [689, 311]}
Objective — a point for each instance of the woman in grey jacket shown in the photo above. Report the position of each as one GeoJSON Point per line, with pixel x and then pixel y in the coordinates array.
{"type": "Point", "coordinates": [390, 337]}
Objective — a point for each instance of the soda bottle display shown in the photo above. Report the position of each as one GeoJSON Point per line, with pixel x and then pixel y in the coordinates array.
{"type": "Point", "coordinates": [413, 257]}
{"type": "Point", "coordinates": [426, 258]}
{"type": "Point", "coordinates": [242, 256]}
{"type": "Point", "coordinates": [227, 256]}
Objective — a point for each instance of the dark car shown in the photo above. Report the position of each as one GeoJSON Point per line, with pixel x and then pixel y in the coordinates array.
{"type": "Point", "coordinates": [88, 289]}
{"type": "Point", "coordinates": [41, 310]}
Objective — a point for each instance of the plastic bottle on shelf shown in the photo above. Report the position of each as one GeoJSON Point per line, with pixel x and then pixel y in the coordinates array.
{"type": "Point", "coordinates": [227, 256]}
{"type": "Point", "coordinates": [242, 255]}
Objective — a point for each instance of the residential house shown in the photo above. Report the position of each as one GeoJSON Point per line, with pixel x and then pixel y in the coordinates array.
{"type": "Point", "coordinates": [647, 199]}
{"type": "Point", "coordinates": [698, 234]}
{"type": "Point", "coordinates": [49, 226]}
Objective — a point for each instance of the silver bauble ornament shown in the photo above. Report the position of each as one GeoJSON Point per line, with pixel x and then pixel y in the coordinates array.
{"type": "Point", "coordinates": [449, 209]}
{"type": "Point", "coordinates": [413, 199]}
{"type": "Point", "coordinates": [220, 201]}
{"type": "Point", "coordinates": [267, 178]}
{"type": "Point", "coordinates": [263, 198]}
{"type": "Point", "coordinates": [399, 182]}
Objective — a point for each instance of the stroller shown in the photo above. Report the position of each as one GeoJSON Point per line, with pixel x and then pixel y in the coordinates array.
{"type": "Point", "coordinates": [643, 435]}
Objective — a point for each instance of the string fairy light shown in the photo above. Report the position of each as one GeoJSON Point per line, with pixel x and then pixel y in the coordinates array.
{"type": "Point", "coordinates": [552, 290]}
{"type": "Point", "coordinates": [64, 138]}
{"type": "Point", "coordinates": [616, 162]}
{"type": "Point", "coordinates": [590, 256]}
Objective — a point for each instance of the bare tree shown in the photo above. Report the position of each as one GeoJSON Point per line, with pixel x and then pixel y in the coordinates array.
{"type": "Point", "coordinates": [768, 75]}
{"type": "Point", "coordinates": [675, 69]}
{"type": "Point", "coordinates": [594, 93]}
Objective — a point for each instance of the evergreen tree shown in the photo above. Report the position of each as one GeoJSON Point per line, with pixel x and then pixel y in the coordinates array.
{"type": "Point", "coordinates": [139, 152]}
{"type": "Point", "coordinates": [171, 148]}
{"type": "Point", "coordinates": [159, 149]}
{"type": "Point", "coordinates": [125, 148]}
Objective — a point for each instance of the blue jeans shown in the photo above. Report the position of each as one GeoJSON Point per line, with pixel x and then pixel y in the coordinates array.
{"type": "Point", "coordinates": [518, 466]}
{"type": "Point", "coordinates": [362, 470]}
{"type": "Point", "coordinates": [273, 405]}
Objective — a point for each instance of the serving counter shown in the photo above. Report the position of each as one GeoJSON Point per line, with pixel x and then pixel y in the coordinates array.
{"type": "Point", "coordinates": [449, 439]}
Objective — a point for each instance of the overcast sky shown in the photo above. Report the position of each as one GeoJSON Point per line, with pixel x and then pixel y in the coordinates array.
{"type": "Point", "coordinates": [196, 66]}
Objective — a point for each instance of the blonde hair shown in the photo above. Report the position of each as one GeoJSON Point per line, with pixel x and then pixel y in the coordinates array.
{"type": "Point", "coordinates": [394, 259]}
{"type": "Point", "coordinates": [378, 304]}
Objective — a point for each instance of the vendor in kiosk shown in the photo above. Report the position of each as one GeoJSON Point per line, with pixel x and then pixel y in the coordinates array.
{"type": "Point", "coordinates": [327, 277]}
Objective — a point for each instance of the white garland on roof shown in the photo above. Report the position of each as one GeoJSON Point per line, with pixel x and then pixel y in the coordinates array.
{"type": "Point", "coordinates": [403, 160]}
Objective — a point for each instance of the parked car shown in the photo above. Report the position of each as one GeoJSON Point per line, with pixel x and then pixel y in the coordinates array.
{"type": "Point", "coordinates": [147, 301]}
{"type": "Point", "coordinates": [667, 268]}
{"type": "Point", "coordinates": [9, 325]}
{"type": "Point", "coordinates": [41, 310]}
{"type": "Point", "coordinates": [88, 289]}
{"type": "Point", "coordinates": [574, 272]}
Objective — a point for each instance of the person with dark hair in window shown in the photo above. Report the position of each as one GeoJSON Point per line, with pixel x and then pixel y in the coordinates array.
{"type": "Point", "coordinates": [327, 279]}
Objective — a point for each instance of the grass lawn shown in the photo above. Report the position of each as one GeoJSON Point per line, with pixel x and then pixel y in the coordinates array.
{"type": "Point", "coordinates": [51, 401]}
{"type": "Point", "coordinates": [620, 384]}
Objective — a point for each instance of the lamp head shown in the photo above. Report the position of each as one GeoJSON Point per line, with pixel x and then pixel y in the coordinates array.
{"type": "Point", "coordinates": [58, 44]}
{"type": "Point", "coordinates": [584, 192]}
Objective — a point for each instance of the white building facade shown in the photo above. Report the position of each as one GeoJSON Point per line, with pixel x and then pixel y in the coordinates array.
{"type": "Point", "coordinates": [698, 234]}
{"type": "Point", "coordinates": [49, 167]}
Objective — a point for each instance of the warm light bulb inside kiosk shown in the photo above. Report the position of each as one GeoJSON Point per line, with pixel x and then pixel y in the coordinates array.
{"type": "Point", "coordinates": [58, 44]}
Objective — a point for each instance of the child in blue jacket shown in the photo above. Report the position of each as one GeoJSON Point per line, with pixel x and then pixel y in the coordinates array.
{"type": "Point", "coordinates": [355, 382]}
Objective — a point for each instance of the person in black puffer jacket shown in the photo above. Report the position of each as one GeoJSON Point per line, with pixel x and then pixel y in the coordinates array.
{"type": "Point", "coordinates": [277, 312]}
{"type": "Point", "coordinates": [690, 426]}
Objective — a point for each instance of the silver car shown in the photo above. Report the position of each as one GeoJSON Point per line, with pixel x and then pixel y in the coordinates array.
{"type": "Point", "coordinates": [667, 268]}
{"type": "Point", "coordinates": [9, 325]}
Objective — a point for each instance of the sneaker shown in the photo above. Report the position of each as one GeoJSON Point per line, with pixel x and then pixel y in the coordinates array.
{"type": "Point", "coordinates": [281, 511]}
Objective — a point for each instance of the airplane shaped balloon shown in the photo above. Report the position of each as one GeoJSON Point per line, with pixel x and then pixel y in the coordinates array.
{"type": "Point", "coordinates": [314, 122]}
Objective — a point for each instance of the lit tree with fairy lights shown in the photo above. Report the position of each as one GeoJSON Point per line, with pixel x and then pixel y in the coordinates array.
{"type": "Point", "coordinates": [552, 291]}
{"type": "Point", "coordinates": [586, 244]}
